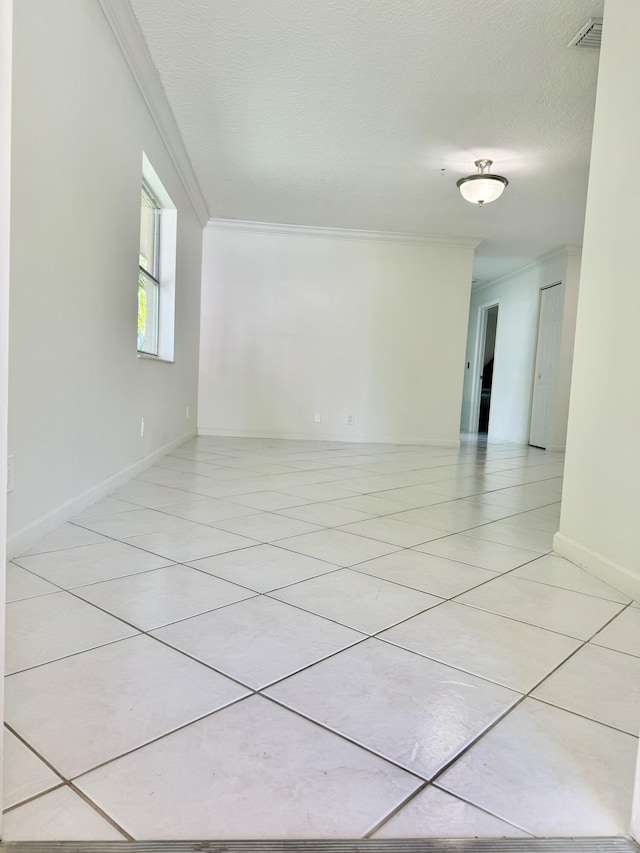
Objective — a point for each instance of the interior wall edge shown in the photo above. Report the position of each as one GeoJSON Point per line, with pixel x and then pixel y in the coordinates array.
{"type": "Point", "coordinates": [291, 230]}
{"type": "Point", "coordinates": [6, 69]}
{"type": "Point", "coordinates": [28, 535]}
{"type": "Point", "coordinates": [597, 564]}
{"type": "Point", "coordinates": [308, 436]}
{"type": "Point", "coordinates": [134, 49]}
{"type": "Point", "coordinates": [546, 258]}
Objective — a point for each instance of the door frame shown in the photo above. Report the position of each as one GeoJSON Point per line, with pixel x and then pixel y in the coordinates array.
{"type": "Point", "coordinates": [559, 283]}
{"type": "Point", "coordinates": [481, 338]}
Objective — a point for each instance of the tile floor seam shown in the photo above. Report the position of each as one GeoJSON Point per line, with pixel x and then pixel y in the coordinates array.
{"type": "Point", "coordinates": [474, 565]}
{"type": "Point", "coordinates": [632, 604]}
{"type": "Point", "coordinates": [427, 779]}
{"type": "Point", "coordinates": [223, 707]}
{"type": "Point", "coordinates": [566, 588]}
{"type": "Point", "coordinates": [148, 633]}
{"type": "Point", "coordinates": [447, 500]}
{"type": "Point", "coordinates": [353, 567]}
{"type": "Point", "coordinates": [32, 597]}
{"type": "Point", "coordinates": [420, 790]}
{"type": "Point", "coordinates": [35, 575]}
{"type": "Point", "coordinates": [344, 624]}
{"type": "Point", "coordinates": [258, 690]}
{"type": "Point", "coordinates": [575, 592]}
{"type": "Point", "coordinates": [618, 651]}
{"type": "Point", "coordinates": [81, 515]}
{"type": "Point", "coordinates": [524, 697]}
{"type": "Point", "coordinates": [66, 784]}
{"type": "Point", "coordinates": [458, 668]}
{"type": "Point", "coordinates": [466, 497]}
{"type": "Point", "coordinates": [126, 541]}
{"type": "Point", "coordinates": [327, 728]}
{"type": "Point", "coordinates": [72, 779]}
{"type": "Point", "coordinates": [33, 750]}
{"type": "Point", "coordinates": [79, 652]}
{"type": "Point", "coordinates": [103, 814]}
{"type": "Point", "coordinates": [71, 589]}
{"type": "Point", "coordinates": [583, 716]}
{"type": "Point", "coordinates": [271, 453]}
{"type": "Point", "coordinates": [453, 599]}
{"type": "Point", "coordinates": [33, 797]}
{"type": "Point", "coordinates": [583, 645]}
{"type": "Point", "coordinates": [55, 550]}
{"type": "Point", "coordinates": [395, 811]}
{"type": "Point", "coordinates": [482, 809]}
{"type": "Point", "coordinates": [268, 592]}
{"type": "Point", "coordinates": [184, 565]}
{"type": "Point", "coordinates": [143, 632]}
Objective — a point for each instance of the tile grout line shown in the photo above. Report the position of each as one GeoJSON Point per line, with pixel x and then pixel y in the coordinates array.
{"type": "Point", "coordinates": [447, 499]}
{"type": "Point", "coordinates": [525, 696]}
{"type": "Point", "coordinates": [54, 787]}
{"type": "Point", "coordinates": [268, 595]}
{"type": "Point", "coordinates": [65, 783]}
{"type": "Point", "coordinates": [364, 638]}
{"type": "Point", "coordinates": [276, 512]}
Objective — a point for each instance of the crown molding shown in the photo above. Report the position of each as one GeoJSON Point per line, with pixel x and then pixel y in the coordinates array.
{"type": "Point", "coordinates": [341, 233]}
{"type": "Point", "coordinates": [548, 257]}
{"type": "Point", "coordinates": [124, 25]}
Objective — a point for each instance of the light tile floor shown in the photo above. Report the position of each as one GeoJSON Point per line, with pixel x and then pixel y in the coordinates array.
{"type": "Point", "coordinates": [263, 639]}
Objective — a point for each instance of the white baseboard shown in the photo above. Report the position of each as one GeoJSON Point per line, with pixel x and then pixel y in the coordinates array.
{"type": "Point", "coordinates": [309, 436]}
{"type": "Point", "coordinates": [556, 448]}
{"type": "Point", "coordinates": [606, 570]}
{"type": "Point", "coordinates": [28, 535]}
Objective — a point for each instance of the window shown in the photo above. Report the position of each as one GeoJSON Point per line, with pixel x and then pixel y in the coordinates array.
{"type": "Point", "coordinates": [157, 267]}
{"type": "Point", "coordinates": [149, 273]}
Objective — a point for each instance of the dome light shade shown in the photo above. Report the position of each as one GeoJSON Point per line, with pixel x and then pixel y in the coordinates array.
{"type": "Point", "coordinates": [483, 187]}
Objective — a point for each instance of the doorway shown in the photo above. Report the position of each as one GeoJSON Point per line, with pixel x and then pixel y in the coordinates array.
{"type": "Point", "coordinates": [547, 354]}
{"type": "Point", "coordinates": [490, 327]}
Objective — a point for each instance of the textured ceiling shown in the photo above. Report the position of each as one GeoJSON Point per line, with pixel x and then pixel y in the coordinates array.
{"type": "Point", "coordinates": [343, 112]}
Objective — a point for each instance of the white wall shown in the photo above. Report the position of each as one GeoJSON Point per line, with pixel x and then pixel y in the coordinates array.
{"type": "Point", "coordinates": [515, 352]}
{"type": "Point", "coordinates": [635, 808]}
{"type": "Point", "coordinates": [77, 387]}
{"type": "Point", "coordinates": [6, 14]}
{"type": "Point", "coordinates": [599, 526]}
{"type": "Point", "coordinates": [298, 324]}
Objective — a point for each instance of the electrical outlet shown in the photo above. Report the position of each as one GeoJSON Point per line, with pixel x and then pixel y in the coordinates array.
{"type": "Point", "coordinates": [318, 417]}
{"type": "Point", "coordinates": [141, 427]}
{"type": "Point", "coordinates": [187, 412]}
{"type": "Point", "coordinates": [10, 473]}
{"type": "Point", "coordinates": [350, 420]}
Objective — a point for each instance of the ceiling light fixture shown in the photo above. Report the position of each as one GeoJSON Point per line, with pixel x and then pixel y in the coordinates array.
{"type": "Point", "coordinates": [484, 187]}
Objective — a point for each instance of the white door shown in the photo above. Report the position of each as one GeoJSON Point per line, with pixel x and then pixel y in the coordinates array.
{"type": "Point", "coordinates": [547, 354]}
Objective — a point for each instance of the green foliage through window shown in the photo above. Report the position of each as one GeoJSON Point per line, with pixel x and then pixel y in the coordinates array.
{"type": "Point", "coordinates": [142, 310]}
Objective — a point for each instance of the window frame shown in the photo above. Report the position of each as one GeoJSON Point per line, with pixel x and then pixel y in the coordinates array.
{"type": "Point", "coordinates": [149, 277]}
{"type": "Point", "coordinates": [165, 251]}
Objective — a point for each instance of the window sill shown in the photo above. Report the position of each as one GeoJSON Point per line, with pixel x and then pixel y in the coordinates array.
{"type": "Point", "coordinates": [148, 357]}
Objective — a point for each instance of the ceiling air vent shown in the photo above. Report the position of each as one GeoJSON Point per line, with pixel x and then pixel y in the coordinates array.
{"type": "Point", "coordinates": [590, 36]}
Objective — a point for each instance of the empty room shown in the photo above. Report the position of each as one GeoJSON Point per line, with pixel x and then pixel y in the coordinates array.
{"type": "Point", "coordinates": [319, 400]}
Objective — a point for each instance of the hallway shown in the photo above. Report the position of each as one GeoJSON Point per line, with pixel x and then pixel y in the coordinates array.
{"type": "Point", "coordinates": [266, 638]}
